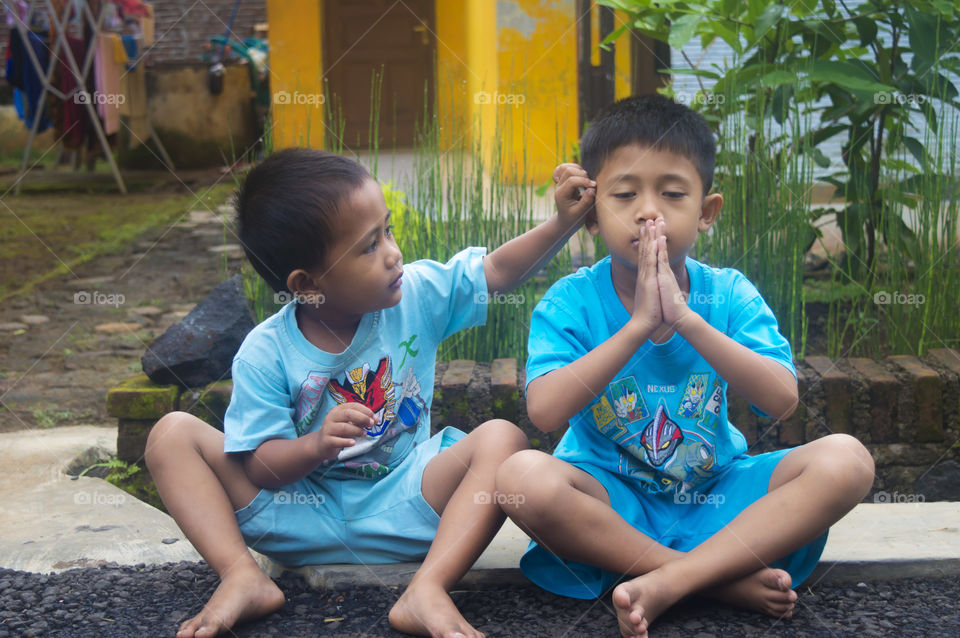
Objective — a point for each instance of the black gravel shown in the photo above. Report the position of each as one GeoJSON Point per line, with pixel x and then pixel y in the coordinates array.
{"type": "Point", "coordinates": [151, 601]}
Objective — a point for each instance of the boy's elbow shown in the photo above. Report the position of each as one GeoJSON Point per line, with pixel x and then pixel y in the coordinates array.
{"type": "Point", "coordinates": [787, 404]}
{"type": "Point", "coordinates": [541, 416]}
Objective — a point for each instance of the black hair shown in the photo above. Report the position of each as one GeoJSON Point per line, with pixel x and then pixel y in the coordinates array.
{"type": "Point", "coordinates": [287, 206]}
{"type": "Point", "coordinates": [652, 121]}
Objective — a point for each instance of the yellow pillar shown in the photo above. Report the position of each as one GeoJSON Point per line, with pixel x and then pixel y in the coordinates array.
{"type": "Point", "coordinates": [466, 69]}
{"type": "Point", "coordinates": [296, 72]}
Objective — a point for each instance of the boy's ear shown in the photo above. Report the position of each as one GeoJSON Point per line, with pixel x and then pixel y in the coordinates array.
{"type": "Point", "coordinates": [300, 281]}
{"type": "Point", "coordinates": [709, 211]}
{"type": "Point", "coordinates": [590, 221]}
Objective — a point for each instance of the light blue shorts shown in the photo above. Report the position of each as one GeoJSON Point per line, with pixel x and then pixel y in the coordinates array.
{"type": "Point", "coordinates": [680, 522]}
{"type": "Point", "coordinates": [314, 522]}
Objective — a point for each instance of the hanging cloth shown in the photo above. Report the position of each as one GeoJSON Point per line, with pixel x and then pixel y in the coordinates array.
{"type": "Point", "coordinates": [107, 80]}
{"type": "Point", "coordinates": [22, 75]}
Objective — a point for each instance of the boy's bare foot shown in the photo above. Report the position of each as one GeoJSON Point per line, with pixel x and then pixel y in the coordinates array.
{"type": "Point", "coordinates": [639, 601]}
{"type": "Point", "coordinates": [766, 590]}
{"type": "Point", "coordinates": [427, 610]}
{"type": "Point", "coordinates": [243, 594]}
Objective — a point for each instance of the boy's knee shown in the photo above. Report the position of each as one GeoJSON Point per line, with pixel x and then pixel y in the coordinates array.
{"type": "Point", "coordinates": [172, 428]}
{"type": "Point", "coordinates": [850, 460]}
{"type": "Point", "coordinates": [522, 475]}
{"type": "Point", "coordinates": [503, 435]}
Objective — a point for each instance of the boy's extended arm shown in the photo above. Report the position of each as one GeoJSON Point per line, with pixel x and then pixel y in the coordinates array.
{"type": "Point", "coordinates": [515, 261]}
{"type": "Point", "coordinates": [759, 379]}
{"type": "Point", "coordinates": [554, 398]}
{"type": "Point", "coordinates": [280, 462]}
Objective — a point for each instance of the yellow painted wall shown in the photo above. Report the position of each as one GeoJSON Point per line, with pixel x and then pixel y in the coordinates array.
{"type": "Point", "coordinates": [506, 77]}
{"type": "Point", "coordinates": [466, 68]}
{"type": "Point", "coordinates": [296, 63]}
{"type": "Point", "coordinates": [537, 84]}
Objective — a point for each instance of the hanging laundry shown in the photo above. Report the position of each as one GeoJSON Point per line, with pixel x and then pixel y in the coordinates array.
{"type": "Point", "coordinates": [23, 75]}
{"type": "Point", "coordinates": [130, 47]}
{"type": "Point", "coordinates": [71, 117]}
{"type": "Point", "coordinates": [107, 81]}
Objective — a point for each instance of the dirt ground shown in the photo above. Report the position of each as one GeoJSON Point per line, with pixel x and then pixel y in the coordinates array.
{"type": "Point", "coordinates": [104, 312]}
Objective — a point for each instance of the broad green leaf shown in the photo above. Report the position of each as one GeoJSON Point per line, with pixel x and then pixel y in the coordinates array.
{"type": "Point", "coordinates": [776, 78]}
{"type": "Point", "coordinates": [846, 75]}
{"type": "Point", "coordinates": [916, 149]}
{"type": "Point", "coordinates": [867, 29]}
{"type": "Point", "coordinates": [683, 29]}
{"type": "Point", "coordinates": [767, 19]}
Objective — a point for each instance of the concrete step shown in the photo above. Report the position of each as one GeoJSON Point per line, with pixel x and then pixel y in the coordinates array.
{"type": "Point", "coordinates": [50, 521]}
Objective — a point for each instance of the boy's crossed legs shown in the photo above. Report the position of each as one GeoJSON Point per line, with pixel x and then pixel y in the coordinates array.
{"type": "Point", "coordinates": [811, 488]}
{"type": "Point", "coordinates": [202, 487]}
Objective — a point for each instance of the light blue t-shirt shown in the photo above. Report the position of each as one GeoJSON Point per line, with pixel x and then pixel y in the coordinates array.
{"type": "Point", "coordinates": [662, 420]}
{"type": "Point", "coordinates": [283, 385]}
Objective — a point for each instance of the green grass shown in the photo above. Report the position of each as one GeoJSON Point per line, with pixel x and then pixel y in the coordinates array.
{"type": "Point", "coordinates": [49, 235]}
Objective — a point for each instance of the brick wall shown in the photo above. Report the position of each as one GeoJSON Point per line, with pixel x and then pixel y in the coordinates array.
{"type": "Point", "coordinates": [183, 26]}
{"type": "Point", "coordinates": [905, 409]}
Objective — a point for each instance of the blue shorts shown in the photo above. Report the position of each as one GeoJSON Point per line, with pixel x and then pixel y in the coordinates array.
{"type": "Point", "coordinates": [678, 521]}
{"type": "Point", "coordinates": [314, 522]}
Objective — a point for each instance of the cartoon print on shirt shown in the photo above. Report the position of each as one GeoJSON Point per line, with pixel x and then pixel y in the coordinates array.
{"type": "Point", "coordinates": [308, 401]}
{"type": "Point", "coordinates": [606, 420]}
{"type": "Point", "coordinates": [628, 401]}
{"type": "Point", "coordinates": [369, 388]}
{"type": "Point", "coordinates": [691, 403]}
{"type": "Point", "coordinates": [394, 432]}
{"type": "Point", "coordinates": [713, 408]}
{"type": "Point", "coordinates": [661, 437]}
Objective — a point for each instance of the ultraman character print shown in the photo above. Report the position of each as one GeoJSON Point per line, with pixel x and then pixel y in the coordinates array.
{"type": "Point", "coordinates": [628, 403]}
{"type": "Point", "coordinates": [691, 403]}
{"type": "Point", "coordinates": [713, 409]}
{"type": "Point", "coordinates": [661, 437]}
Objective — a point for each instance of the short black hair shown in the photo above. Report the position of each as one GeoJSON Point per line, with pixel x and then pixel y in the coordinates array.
{"type": "Point", "coordinates": [652, 121]}
{"type": "Point", "coordinates": [286, 208]}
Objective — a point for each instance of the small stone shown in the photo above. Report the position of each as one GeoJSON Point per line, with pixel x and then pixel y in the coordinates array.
{"type": "Point", "coordinates": [201, 216]}
{"type": "Point", "coordinates": [146, 311]}
{"type": "Point", "coordinates": [117, 327]}
{"type": "Point", "coordinates": [169, 541]}
{"type": "Point", "coordinates": [11, 326]}
{"type": "Point", "coordinates": [187, 225]}
{"type": "Point", "coordinates": [226, 248]}
{"type": "Point", "coordinates": [86, 282]}
{"type": "Point", "coordinates": [34, 320]}
{"type": "Point", "coordinates": [207, 232]}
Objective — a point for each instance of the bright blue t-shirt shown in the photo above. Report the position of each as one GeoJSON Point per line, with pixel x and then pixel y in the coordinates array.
{"type": "Point", "coordinates": [662, 420]}
{"type": "Point", "coordinates": [283, 385]}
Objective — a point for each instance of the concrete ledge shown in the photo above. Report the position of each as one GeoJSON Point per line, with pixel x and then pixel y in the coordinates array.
{"type": "Point", "coordinates": [875, 542]}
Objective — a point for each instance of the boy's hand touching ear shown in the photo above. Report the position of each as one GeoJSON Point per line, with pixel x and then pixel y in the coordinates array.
{"type": "Point", "coordinates": [575, 193]}
{"type": "Point", "coordinates": [341, 427]}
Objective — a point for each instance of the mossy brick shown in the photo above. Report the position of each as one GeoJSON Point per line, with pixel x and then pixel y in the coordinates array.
{"type": "Point", "coordinates": [836, 394]}
{"type": "Point", "coordinates": [132, 439]}
{"type": "Point", "coordinates": [948, 358]}
{"type": "Point", "coordinates": [210, 403]}
{"type": "Point", "coordinates": [793, 428]}
{"type": "Point", "coordinates": [451, 405]}
{"type": "Point", "coordinates": [947, 362]}
{"type": "Point", "coordinates": [741, 416]}
{"type": "Point", "coordinates": [504, 391]}
{"type": "Point", "coordinates": [141, 398]}
{"type": "Point", "coordinates": [882, 390]}
{"type": "Point", "coordinates": [926, 426]}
